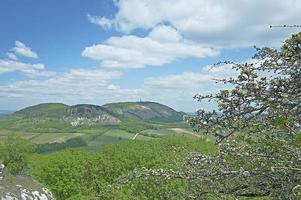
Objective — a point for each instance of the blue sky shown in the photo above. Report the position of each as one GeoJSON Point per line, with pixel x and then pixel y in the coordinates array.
{"type": "Point", "coordinates": [101, 51]}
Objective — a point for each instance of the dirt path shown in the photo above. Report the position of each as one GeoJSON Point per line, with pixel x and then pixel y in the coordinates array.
{"type": "Point", "coordinates": [180, 130]}
{"type": "Point", "coordinates": [135, 136]}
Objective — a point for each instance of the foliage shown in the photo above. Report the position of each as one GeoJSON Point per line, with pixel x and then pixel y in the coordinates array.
{"type": "Point", "coordinates": [265, 100]}
{"type": "Point", "coordinates": [266, 95]}
{"type": "Point", "coordinates": [51, 147]}
{"type": "Point", "coordinates": [14, 152]}
{"type": "Point", "coordinates": [72, 172]}
{"type": "Point", "coordinates": [242, 168]}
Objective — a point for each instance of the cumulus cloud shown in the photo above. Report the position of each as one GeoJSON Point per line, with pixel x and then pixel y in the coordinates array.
{"type": "Point", "coordinates": [74, 86]}
{"type": "Point", "coordinates": [214, 22]}
{"type": "Point", "coordinates": [113, 87]}
{"type": "Point", "coordinates": [101, 21]}
{"type": "Point", "coordinates": [178, 89]}
{"type": "Point", "coordinates": [12, 63]}
{"type": "Point", "coordinates": [203, 81]}
{"type": "Point", "coordinates": [76, 83]}
{"type": "Point", "coordinates": [165, 34]}
{"type": "Point", "coordinates": [155, 49]}
{"type": "Point", "coordinates": [30, 70]}
{"type": "Point", "coordinates": [11, 56]}
{"type": "Point", "coordinates": [22, 50]}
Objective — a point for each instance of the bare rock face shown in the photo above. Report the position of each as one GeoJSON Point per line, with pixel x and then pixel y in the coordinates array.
{"type": "Point", "coordinates": [90, 115]}
{"type": "Point", "coordinates": [21, 188]}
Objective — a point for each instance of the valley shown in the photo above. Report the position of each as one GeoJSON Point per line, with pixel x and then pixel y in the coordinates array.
{"type": "Point", "coordinates": [93, 126]}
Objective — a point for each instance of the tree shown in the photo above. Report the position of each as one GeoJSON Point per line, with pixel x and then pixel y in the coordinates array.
{"type": "Point", "coordinates": [265, 96]}
{"type": "Point", "coordinates": [13, 153]}
{"type": "Point", "coordinates": [257, 127]}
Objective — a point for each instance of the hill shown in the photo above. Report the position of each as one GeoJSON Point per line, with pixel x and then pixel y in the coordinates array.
{"type": "Point", "coordinates": [56, 126]}
{"type": "Point", "coordinates": [113, 113]}
{"type": "Point", "coordinates": [82, 114]}
{"type": "Point", "coordinates": [45, 110]}
{"type": "Point", "coordinates": [61, 118]}
{"type": "Point", "coordinates": [146, 111]}
{"type": "Point", "coordinates": [89, 115]}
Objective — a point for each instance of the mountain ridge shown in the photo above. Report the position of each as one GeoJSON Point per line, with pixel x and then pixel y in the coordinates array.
{"type": "Point", "coordinates": [55, 115]}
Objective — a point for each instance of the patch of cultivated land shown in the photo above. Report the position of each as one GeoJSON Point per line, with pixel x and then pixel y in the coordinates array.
{"type": "Point", "coordinates": [185, 131]}
{"type": "Point", "coordinates": [169, 131]}
{"type": "Point", "coordinates": [43, 138]}
{"type": "Point", "coordinates": [110, 137]}
{"type": "Point", "coordinates": [114, 136]}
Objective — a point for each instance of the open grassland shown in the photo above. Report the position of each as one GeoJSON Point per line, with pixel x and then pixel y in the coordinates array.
{"type": "Point", "coordinates": [111, 137]}
{"type": "Point", "coordinates": [96, 138]}
{"type": "Point", "coordinates": [48, 131]}
{"type": "Point", "coordinates": [54, 137]}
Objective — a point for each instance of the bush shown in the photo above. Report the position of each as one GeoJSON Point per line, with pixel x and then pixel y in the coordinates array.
{"type": "Point", "coordinates": [14, 152]}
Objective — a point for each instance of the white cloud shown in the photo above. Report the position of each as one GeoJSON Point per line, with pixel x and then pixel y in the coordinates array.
{"type": "Point", "coordinates": [155, 50]}
{"type": "Point", "coordinates": [113, 87]}
{"type": "Point", "coordinates": [76, 82]}
{"type": "Point", "coordinates": [165, 34]}
{"type": "Point", "coordinates": [30, 70]}
{"type": "Point", "coordinates": [203, 81]}
{"type": "Point", "coordinates": [101, 21]}
{"type": "Point", "coordinates": [73, 87]}
{"type": "Point", "coordinates": [23, 50]}
{"type": "Point", "coordinates": [177, 90]}
{"type": "Point", "coordinates": [11, 56]}
{"type": "Point", "coordinates": [214, 22]}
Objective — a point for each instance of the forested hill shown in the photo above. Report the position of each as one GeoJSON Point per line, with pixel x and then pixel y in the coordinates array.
{"type": "Point", "coordinates": [151, 111]}
{"type": "Point", "coordinates": [58, 114]}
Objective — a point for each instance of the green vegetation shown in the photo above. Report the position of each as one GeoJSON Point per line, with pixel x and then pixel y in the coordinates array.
{"type": "Point", "coordinates": [55, 126]}
{"type": "Point", "coordinates": [14, 152]}
{"type": "Point", "coordinates": [94, 172]}
{"type": "Point", "coordinates": [149, 111]}
{"type": "Point", "coordinates": [141, 151]}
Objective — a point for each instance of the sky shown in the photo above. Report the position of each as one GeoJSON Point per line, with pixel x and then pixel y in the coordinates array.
{"type": "Point", "coordinates": [102, 51]}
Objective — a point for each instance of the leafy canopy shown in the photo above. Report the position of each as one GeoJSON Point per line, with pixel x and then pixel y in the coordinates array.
{"type": "Point", "coordinates": [265, 96]}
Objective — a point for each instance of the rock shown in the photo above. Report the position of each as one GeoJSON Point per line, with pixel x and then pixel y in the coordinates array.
{"type": "Point", "coordinates": [21, 188]}
{"type": "Point", "coordinates": [1, 171]}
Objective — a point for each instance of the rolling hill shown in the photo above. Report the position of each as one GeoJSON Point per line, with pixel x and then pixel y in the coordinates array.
{"type": "Point", "coordinates": [145, 111]}
{"type": "Point", "coordinates": [57, 117]}
{"type": "Point", "coordinates": [55, 126]}
{"type": "Point", "coordinates": [82, 114]}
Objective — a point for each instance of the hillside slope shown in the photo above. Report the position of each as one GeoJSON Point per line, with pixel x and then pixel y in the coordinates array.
{"type": "Point", "coordinates": [82, 114]}
{"type": "Point", "coordinates": [146, 111]}
{"type": "Point", "coordinates": [45, 110]}
{"type": "Point", "coordinates": [58, 118]}
{"type": "Point", "coordinates": [90, 115]}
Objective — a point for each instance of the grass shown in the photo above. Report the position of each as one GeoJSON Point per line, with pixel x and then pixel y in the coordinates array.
{"type": "Point", "coordinates": [97, 137]}
{"type": "Point", "coordinates": [43, 130]}
{"type": "Point", "coordinates": [54, 137]}
{"type": "Point", "coordinates": [110, 137]}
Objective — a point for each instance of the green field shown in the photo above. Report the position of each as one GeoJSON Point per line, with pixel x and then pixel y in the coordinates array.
{"type": "Point", "coordinates": [43, 138]}
{"type": "Point", "coordinates": [97, 138]}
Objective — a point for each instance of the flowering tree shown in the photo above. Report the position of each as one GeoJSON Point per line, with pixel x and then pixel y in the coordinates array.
{"type": "Point", "coordinates": [257, 127]}
{"type": "Point", "coordinates": [266, 95]}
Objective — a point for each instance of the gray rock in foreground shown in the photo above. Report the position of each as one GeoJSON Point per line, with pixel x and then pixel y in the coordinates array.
{"type": "Point", "coordinates": [21, 188]}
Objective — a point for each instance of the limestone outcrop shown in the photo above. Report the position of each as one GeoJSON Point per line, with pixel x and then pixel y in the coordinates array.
{"type": "Point", "coordinates": [21, 188]}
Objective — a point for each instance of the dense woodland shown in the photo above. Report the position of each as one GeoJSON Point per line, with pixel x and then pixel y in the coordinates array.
{"type": "Point", "coordinates": [249, 149]}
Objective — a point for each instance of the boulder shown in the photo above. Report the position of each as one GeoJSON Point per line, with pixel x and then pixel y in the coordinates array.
{"type": "Point", "coordinates": [21, 188]}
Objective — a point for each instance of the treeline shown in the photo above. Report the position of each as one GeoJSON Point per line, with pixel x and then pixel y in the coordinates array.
{"type": "Point", "coordinates": [52, 147]}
